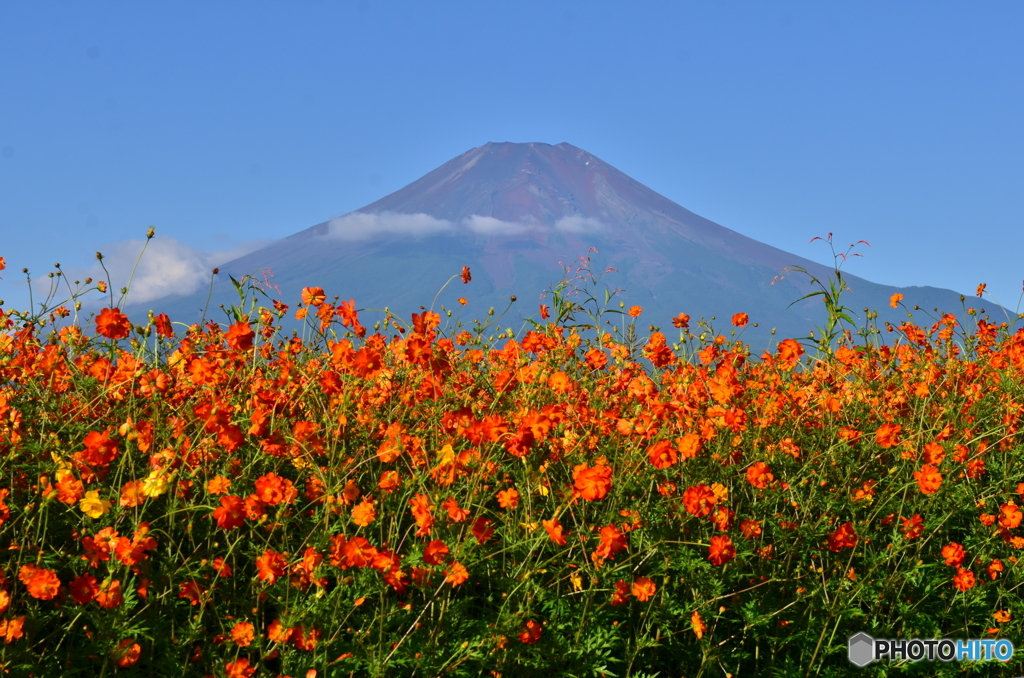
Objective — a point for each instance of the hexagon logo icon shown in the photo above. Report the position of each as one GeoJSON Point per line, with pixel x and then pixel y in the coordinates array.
{"type": "Point", "coordinates": [861, 649]}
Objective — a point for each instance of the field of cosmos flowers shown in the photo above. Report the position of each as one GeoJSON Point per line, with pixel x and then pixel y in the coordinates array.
{"type": "Point", "coordinates": [430, 496]}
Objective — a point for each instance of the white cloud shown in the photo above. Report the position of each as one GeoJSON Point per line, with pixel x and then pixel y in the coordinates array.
{"type": "Point", "coordinates": [360, 225]}
{"type": "Point", "coordinates": [491, 226]}
{"type": "Point", "coordinates": [167, 268]}
{"type": "Point", "coordinates": [578, 224]}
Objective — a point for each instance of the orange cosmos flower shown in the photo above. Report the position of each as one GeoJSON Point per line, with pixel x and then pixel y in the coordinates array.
{"type": "Point", "coordinates": [40, 582]}
{"type": "Point", "coordinates": [750, 528]}
{"type": "Point", "coordinates": [689, 445]}
{"type": "Point", "coordinates": [240, 336]}
{"type": "Point", "coordinates": [913, 527]}
{"type": "Point", "coordinates": [313, 296]}
{"type": "Point", "coordinates": [929, 480]}
{"type": "Point", "coordinates": [740, 319]}
{"type": "Point", "coordinates": [1002, 616]}
{"type": "Point", "coordinates": [482, 529]}
{"type": "Point", "coordinates": [84, 589]}
{"type": "Point", "coordinates": [456, 574]}
{"type": "Point", "coordinates": [699, 500]}
{"type": "Point", "coordinates": [843, 537]}
{"type": "Point", "coordinates": [455, 513]}
{"type": "Point", "coordinates": [954, 554]}
{"type": "Point", "coordinates": [466, 277]}
{"type": "Point", "coordinates": [231, 513]}
{"type": "Point", "coordinates": [545, 312]}
{"type": "Point", "coordinates": [635, 311]}
{"type": "Point", "coordinates": [612, 541]}
{"type": "Point", "coordinates": [662, 454]}
{"type": "Point", "coordinates": [11, 629]}
{"type": "Point", "coordinates": [435, 552]}
{"type": "Point", "coordinates": [994, 568]}
{"type": "Point", "coordinates": [272, 490]}
{"type": "Point", "coordinates": [592, 483]}
{"type": "Point", "coordinates": [191, 591]}
{"type": "Point", "coordinates": [760, 475]}
{"type": "Point", "coordinates": [933, 453]}
{"type": "Point", "coordinates": [555, 531]}
{"type": "Point", "coordinates": [127, 653]}
{"type": "Point", "coordinates": [721, 550]}
{"type": "Point", "coordinates": [270, 566]}
{"type": "Point", "coordinates": [620, 596]}
{"type": "Point", "coordinates": [243, 633]}
{"type": "Point", "coordinates": [358, 552]}
{"type": "Point", "coordinates": [895, 300]}
{"type": "Point", "coordinates": [364, 513]}
{"type": "Point", "coordinates": [508, 499]}
{"type": "Point", "coordinates": [531, 632]}
{"type": "Point", "coordinates": [644, 588]}
{"type": "Point", "coordinates": [218, 485]}
{"type": "Point", "coordinates": [239, 668]}
{"type": "Point", "coordinates": [1010, 515]}
{"type": "Point", "coordinates": [109, 594]}
{"type": "Point", "coordinates": [682, 321]}
{"type": "Point", "coordinates": [888, 435]}
{"type": "Point", "coordinates": [698, 625]}
{"type": "Point", "coordinates": [981, 289]}
{"type": "Point", "coordinates": [113, 324]}
{"type": "Point", "coordinates": [964, 579]}
{"type": "Point", "coordinates": [790, 351]}
{"type": "Point", "coordinates": [163, 325]}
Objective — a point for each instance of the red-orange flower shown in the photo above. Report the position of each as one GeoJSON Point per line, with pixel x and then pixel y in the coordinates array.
{"type": "Point", "coordinates": [760, 475]}
{"type": "Point", "coordinates": [531, 632]}
{"type": "Point", "coordinates": [843, 537]}
{"type": "Point", "coordinates": [954, 554]}
{"type": "Point", "coordinates": [740, 319]}
{"type": "Point", "coordinates": [40, 582]}
{"type": "Point", "coordinates": [231, 513]}
{"type": "Point", "coordinates": [1010, 515]}
{"type": "Point", "coordinates": [662, 454]}
{"type": "Point", "coordinates": [699, 500]}
{"type": "Point", "coordinates": [456, 574]}
{"type": "Point", "coordinates": [620, 596]}
{"type": "Point", "coordinates": [191, 591]}
{"type": "Point", "coordinates": [113, 324]}
{"type": "Point", "coordinates": [555, 531]}
{"type": "Point", "coordinates": [592, 483]}
{"type": "Point", "coordinates": [435, 553]}
{"type": "Point", "coordinates": [364, 513]}
{"type": "Point", "coordinates": [508, 499]}
{"type": "Point", "coordinates": [240, 336]}
{"type": "Point", "coordinates": [466, 277]}
{"type": "Point", "coordinates": [888, 435]}
{"type": "Point", "coordinates": [913, 527]}
{"type": "Point", "coordinates": [313, 296]}
{"type": "Point", "coordinates": [243, 633]}
{"type": "Point", "coordinates": [483, 529]}
{"type": "Point", "coordinates": [239, 668]}
{"type": "Point", "coordinates": [644, 588]}
{"type": "Point", "coordinates": [721, 550]}
{"type": "Point", "coordinates": [270, 566]}
{"type": "Point", "coordinates": [750, 528]}
{"type": "Point", "coordinates": [928, 479]}
{"type": "Point", "coordinates": [11, 629]}
{"type": "Point", "coordinates": [612, 541]}
{"type": "Point", "coordinates": [127, 653]}
{"type": "Point", "coordinates": [272, 490]}
{"type": "Point", "coordinates": [964, 579]}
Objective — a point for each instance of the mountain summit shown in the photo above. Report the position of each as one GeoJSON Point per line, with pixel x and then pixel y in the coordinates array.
{"type": "Point", "coordinates": [516, 213]}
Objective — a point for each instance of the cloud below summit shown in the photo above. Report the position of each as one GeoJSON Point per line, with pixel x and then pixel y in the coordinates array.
{"type": "Point", "coordinates": [365, 225]}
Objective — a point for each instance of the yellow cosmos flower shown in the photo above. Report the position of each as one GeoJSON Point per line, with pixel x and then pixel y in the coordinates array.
{"type": "Point", "coordinates": [92, 506]}
{"type": "Point", "coordinates": [155, 483]}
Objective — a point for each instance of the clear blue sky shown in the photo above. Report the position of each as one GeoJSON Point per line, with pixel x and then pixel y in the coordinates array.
{"type": "Point", "coordinates": [227, 124]}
